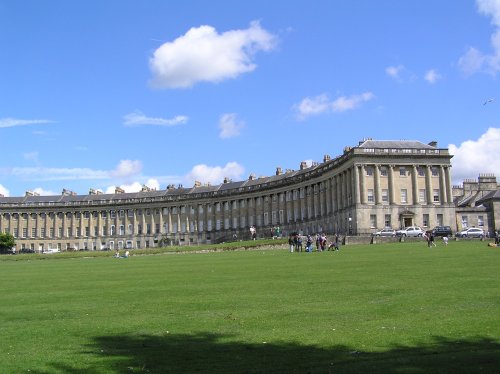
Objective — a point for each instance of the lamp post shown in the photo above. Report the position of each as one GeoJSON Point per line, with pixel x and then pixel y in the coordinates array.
{"type": "Point", "coordinates": [350, 225]}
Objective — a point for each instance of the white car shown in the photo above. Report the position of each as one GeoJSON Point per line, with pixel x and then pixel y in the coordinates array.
{"type": "Point", "coordinates": [412, 231]}
{"type": "Point", "coordinates": [385, 232]}
{"type": "Point", "coordinates": [473, 232]}
{"type": "Point", "coordinates": [51, 250]}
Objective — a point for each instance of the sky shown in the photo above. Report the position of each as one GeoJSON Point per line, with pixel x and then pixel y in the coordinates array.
{"type": "Point", "coordinates": [105, 93]}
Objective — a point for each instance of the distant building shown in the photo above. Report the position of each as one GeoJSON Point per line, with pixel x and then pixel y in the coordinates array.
{"type": "Point", "coordinates": [478, 203]}
{"type": "Point", "coordinates": [373, 185]}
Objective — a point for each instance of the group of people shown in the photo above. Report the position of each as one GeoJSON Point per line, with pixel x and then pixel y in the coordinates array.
{"type": "Point", "coordinates": [295, 241]}
{"type": "Point", "coordinates": [429, 236]}
{"type": "Point", "coordinates": [117, 254]}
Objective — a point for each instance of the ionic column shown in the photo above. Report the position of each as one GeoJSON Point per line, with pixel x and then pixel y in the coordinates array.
{"type": "Point", "coordinates": [442, 186]}
{"type": "Point", "coordinates": [448, 184]}
{"type": "Point", "coordinates": [414, 185]}
{"type": "Point", "coordinates": [428, 184]}
{"type": "Point", "coordinates": [357, 196]}
{"type": "Point", "coordinates": [378, 195]}
{"type": "Point", "coordinates": [362, 186]}
{"type": "Point", "coordinates": [392, 195]}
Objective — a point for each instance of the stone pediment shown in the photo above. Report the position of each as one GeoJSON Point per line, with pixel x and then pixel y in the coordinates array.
{"type": "Point", "coordinates": [407, 212]}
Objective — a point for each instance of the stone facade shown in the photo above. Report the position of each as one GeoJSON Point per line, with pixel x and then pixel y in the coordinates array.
{"type": "Point", "coordinates": [373, 185]}
{"type": "Point", "coordinates": [478, 203]}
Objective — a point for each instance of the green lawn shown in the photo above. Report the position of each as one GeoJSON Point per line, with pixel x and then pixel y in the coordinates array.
{"type": "Point", "coordinates": [384, 308]}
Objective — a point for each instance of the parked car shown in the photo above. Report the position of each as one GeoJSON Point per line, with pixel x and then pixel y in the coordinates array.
{"type": "Point", "coordinates": [51, 250]}
{"type": "Point", "coordinates": [412, 231]}
{"type": "Point", "coordinates": [442, 231]}
{"type": "Point", "coordinates": [385, 232]}
{"type": "Point", "coordinates": [473, 232]}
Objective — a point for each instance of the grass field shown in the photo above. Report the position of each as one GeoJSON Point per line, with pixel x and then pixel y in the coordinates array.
{"type": "Point", "coordinates": [384, 308]}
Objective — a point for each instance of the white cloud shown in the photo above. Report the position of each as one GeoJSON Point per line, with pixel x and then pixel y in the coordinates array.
{"type": "Point", "coordinates": [127, 168]}
{"type": "Point", "coordinates": [395, 71]}
{"type": "Point", "coordinates": [124, 170]}
{"type": "Point", "coordinates": [13, 122]}
{"type": "Point", "coordinates": [4, 191]}
{"type": "Point", "coordinates": [203, 55]}
{"type": "Point", "coordinates": [135, 186]}
{"type": "Point", "coordinates": [473, 157]}
{"type": "Point", "coordinates": [230, 126]}
{"type": "Point", "coordinates": [137, 118]}
{"type": "Point", "coordinates": [31, 156]}
{"type": "Point", "coordinates": [432, 76]}
{"type": "Point", "coordinates": [52, 174]}
{"type": "Point", "coordinates": [321, 104]}
{"type": "Point", "coordinates": [42, 192]}
{"type": "Point", "coordinates": [473, 60]}
{"type": "Point", "coordinates": [215, 174]}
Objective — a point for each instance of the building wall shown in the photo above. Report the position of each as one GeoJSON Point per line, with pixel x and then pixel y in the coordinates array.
{"type": "Point", "coordinates": [356, 193]}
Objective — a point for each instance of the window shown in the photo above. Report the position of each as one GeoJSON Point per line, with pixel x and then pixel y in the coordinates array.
{"type": "Point", "coordinates": [139, 229]}
{"type": "Point", "coordinates": [87, 231]}
{"type": "Point", "coordinates": [25, 232]}
{"type": "Point", "coordinates": [439, 220]}
{"type": "Point", "coordinates": [148, 228]}
{"type": "Point", "coordinates": [16, 232]}
{"type": "Point", "coordinates": [174, 210]}
{"type": "Point", "coordinates": [421, 171]}
{"type": "Point", "coordinates": [480, 221]}
{"type": "Point", "coordinates": [369, 171]}
{"type": "Point", "coordinates": [148, 212]}
{"type": "Point", "coordinates": [112, 214]}
{"type": "Point", "coordinates": [226, 223]}
{"type": "Point", "coordinates": [60, 232]}
{"type": "Point", "coordinates": [235, 223]}
{"type": "Point", "coordinates": [266, 218]}
{"type": "Point", "coordinates": [421, 195]}
{"type": "Point", "coordinates": [217, 207]}
{"type": "Point", "coordinates": [404, 196]}
{"type": "Point", "coordinates": [122, 230]}
{"type": "Point", "coordinates": [217, 224]}
{"type": "Point", "coordinates": [103, 214]}
{"type": "Point", "coordinates": [86, 214]}
{"type": "Point", "coordinates": [130, 229]}
{"type": "Point", "coordinates": [402, 172]}
{"type": "Point", "coordinates": [235, 205]}
{"type": "Point", "coordinates": [122, 213]}
{"type": "Point", "coordinates": [183, 209]}
{"type": "Point", "coordinates": [113, 230]}
{"type": "Point", "coordinates": [465, 221]}
{"type": "Point", "coordinates": [157, 228]}
{"type": "Point", "coordinates": [51, 232]}
{"type": "Point", "coordinates": [383, 171]}
{"type": "Point", "coordinates": [130, 213]}
{"type": "Point", "coordinates": [425, 220]}
{"type": "Point", "coordinates": [209, 225]}
{"type": "Point", "coordinates": [385, 195]}
{"type": "Point", "coordinates": [68, 233]}
{"type": "Point", "coordinates": [226, 206]}
{"type": "Point", "coordinates": [387, 220]}
{"type": "Point", "coordinates": [373, 221]}
{"type": "Point", "coordinates": [33, 232]}
{"type": "Point", "coordinates": [370, 196]}
{"type": "Point", "coordinates": [435, 194]}
{"type": "Point", "coordinates": [435, 171]}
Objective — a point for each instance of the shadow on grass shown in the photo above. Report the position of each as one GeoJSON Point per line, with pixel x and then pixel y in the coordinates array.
{"type": "Point", "coordinates": [209, 353]}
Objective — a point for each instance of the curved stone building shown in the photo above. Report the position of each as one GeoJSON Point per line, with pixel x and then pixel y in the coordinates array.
{"type": "Point", "coordinates": [373, 185]}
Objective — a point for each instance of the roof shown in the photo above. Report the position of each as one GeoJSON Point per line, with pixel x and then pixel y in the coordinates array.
{"type": "Point", "coordinates": [401, 144]}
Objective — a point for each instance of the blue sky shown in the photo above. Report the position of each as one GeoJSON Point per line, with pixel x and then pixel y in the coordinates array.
{"type": "Point", "coordinates": [105, 93]}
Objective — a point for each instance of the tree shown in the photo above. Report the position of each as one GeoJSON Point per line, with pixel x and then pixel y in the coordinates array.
{"type": "Point", "coordinates": [6, 242]}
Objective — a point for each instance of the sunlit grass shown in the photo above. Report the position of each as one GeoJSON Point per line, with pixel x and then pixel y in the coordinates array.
{"type": "Point", "coordinates": [367, 307]}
